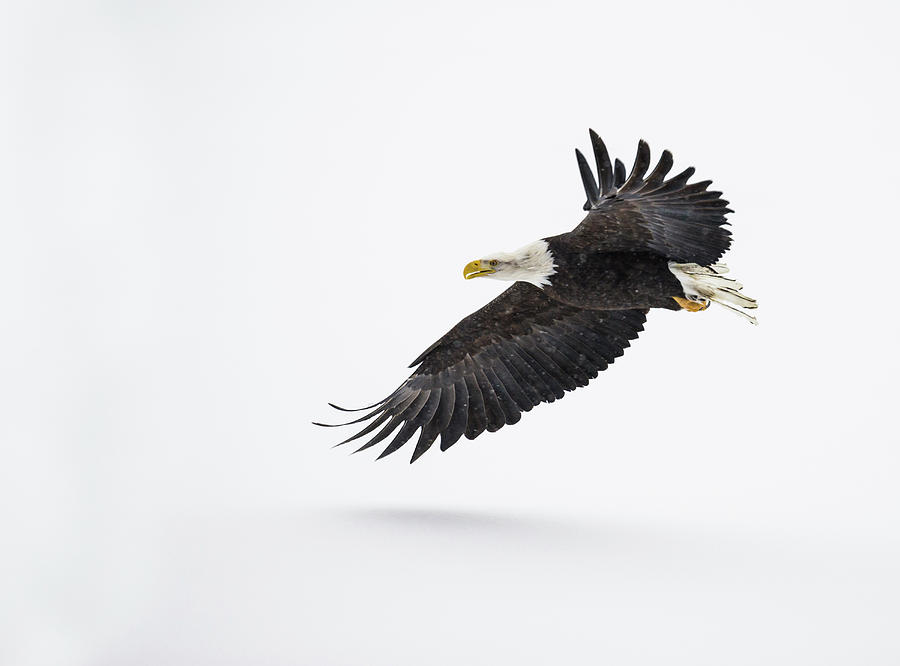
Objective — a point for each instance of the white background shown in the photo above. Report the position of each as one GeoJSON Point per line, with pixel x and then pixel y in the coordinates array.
{"type": "Point", "coordinates": [215, 217]}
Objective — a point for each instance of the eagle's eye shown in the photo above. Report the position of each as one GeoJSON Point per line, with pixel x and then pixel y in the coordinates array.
{"type": "Point", "coordinates": [493, 262]}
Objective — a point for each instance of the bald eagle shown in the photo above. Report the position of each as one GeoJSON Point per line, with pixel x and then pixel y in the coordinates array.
{"type": "Point", "coordinates": [576, 301]}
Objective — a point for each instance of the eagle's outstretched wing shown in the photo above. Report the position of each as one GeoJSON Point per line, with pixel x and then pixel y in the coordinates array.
{"type": "Point", "coordinates": [679, 221]}
{"type": "Point", "coordinates": [521, 349]}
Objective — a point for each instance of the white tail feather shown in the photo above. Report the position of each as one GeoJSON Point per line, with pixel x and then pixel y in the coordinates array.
{"type": "Point", "coordinates": [708, 283]}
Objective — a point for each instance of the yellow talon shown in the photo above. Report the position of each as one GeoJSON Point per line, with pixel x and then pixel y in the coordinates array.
{"type": "Point", "coordinates": [691, 306]}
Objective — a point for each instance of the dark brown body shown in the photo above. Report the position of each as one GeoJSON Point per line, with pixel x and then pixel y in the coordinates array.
{"type": "Point", "coordinates": [588, 278]}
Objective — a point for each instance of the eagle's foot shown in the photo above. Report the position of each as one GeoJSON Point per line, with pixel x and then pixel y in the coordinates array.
{"type": "Point", "coordinates": [691, 306]}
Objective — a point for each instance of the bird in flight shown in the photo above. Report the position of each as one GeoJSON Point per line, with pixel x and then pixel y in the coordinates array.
{"type": "Point", "coordinates": [576, 301]}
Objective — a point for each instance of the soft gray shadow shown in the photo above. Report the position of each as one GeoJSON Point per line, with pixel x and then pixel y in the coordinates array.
{"type": "Point", "coordinates": [510, 526]}
{"type": "Point", "coordinates": [445, 519]}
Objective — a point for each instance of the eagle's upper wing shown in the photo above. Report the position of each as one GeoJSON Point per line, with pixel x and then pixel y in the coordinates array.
{"type": "Point", "coordinates": [521, 349]}
{"type": "Point", "coordinates": [636, 213]}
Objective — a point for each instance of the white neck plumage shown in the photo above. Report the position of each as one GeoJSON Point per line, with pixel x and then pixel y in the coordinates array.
{"type": "Point", "coordinates": [532, 263]}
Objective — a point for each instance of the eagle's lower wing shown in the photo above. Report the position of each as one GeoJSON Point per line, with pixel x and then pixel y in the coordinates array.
{"type": "Point", "coordinates": [643, 212]}
{"type": "Point", "coordinates": [521, 349]}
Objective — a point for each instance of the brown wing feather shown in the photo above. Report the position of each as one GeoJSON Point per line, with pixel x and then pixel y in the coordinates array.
{"type": "Point", "coordinates": [684, 223]}
{"type": "Point", "coordinates": [521, 349]}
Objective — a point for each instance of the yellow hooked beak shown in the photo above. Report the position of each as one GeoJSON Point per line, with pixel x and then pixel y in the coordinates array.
{"type": "Point", "coordinates": [475, 269]}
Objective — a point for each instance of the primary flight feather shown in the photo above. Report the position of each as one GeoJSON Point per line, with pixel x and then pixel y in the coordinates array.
{"type": "Point", "coordinates": [576, 302]}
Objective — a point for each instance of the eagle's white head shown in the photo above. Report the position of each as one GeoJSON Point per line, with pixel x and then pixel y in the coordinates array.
{"type": "Point", "coordinates": [532, 263]}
